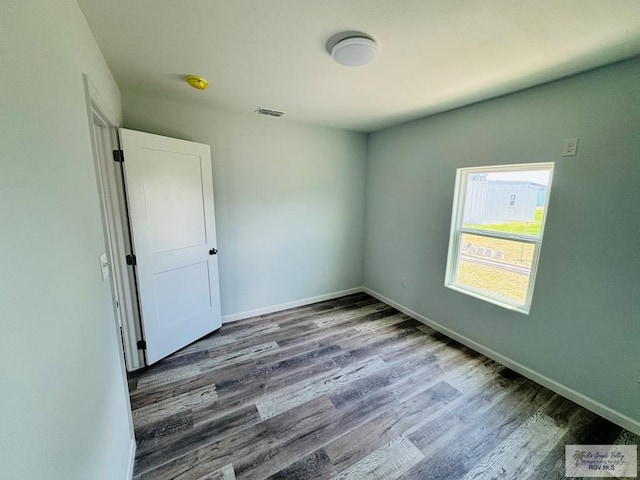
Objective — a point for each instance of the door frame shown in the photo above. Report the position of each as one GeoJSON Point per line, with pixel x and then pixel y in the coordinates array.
{"type": "Point", "coordinates": [109, 177]}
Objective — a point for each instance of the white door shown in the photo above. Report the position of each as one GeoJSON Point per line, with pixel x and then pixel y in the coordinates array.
{"type": "Point", "coordinates": [170, 196]}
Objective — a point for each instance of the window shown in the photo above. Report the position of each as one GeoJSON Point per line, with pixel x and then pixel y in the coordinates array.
{"type": "Point", "coordinates": [495, 240]}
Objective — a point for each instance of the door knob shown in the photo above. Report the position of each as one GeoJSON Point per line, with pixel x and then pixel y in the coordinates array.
{"type": "Point", "coordinates": [213, 251]}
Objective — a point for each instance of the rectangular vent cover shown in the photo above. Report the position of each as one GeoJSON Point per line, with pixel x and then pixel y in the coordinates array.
{"type": "Point", "coordinates": [268, 111]}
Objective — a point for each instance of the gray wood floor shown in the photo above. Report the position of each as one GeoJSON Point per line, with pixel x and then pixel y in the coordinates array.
{"type": "Point", "coordinates": [348, 389]}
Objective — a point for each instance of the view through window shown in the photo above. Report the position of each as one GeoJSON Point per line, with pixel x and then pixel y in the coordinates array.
{"type": "Point", "coordinates": [496, 232]}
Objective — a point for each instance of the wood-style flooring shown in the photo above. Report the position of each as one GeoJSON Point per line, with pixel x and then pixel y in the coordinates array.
{"type": "Point", "coordinates": [348, 389]}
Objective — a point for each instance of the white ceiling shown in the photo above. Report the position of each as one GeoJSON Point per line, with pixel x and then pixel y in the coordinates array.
{"type": "Point", "coordinates": [434, 54]}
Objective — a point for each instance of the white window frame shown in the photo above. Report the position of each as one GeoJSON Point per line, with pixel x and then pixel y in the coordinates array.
{"type": "Point", "coordinates": [457, 216]}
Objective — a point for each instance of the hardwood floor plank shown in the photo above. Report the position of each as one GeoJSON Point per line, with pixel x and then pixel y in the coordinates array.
{"type": "Point", "coordinates": [316, 465]}
{"type": "Point", "coordinates": [261, 383]}
{"type": "Point", "coordinates": [349, 448]}
{"type": "Point", "coordinates": [173, 362]}
{"type": "Point", "coordinates": [302, 332]}
{"type": "Point", "coordinates": [372, 327]}
{"type": "Point", "coordinates": [314, 332]}
{"type": "Point", "coordinates": [206, 364]}
{"type": "Point", "coordinates": [462, 436]}
{"type": "Point", "coordinates": [386, 463]}
{"type": "Point", "coordinates": [224, 473]}
{"type": "Point", "coordinates": [185, 401]}
{"type": "Point", "coordinates": [348, 388]}
{"type": "Point", "coordinates": [400, 379]}
{"type": "Point", "coordinates": [273, 459]}
{"type": "Point", "coordinates": [333, 319]}
{"type": "Point", "coordinates": [162, 377]}
{"type": "Point", "coordinates": [514, 458]}
{"type": "Point", "coordinates": [416, 371]}
{"type": "Point", "coordinates": [158, 393]}
{"type": "Point", "coordinates": [246, 449]}
{"type": "Point", "coordinates": [296, 315]}
{"type": "Point", "coordinates": [167, 425]}
{"type": "Point", "coordinates": [163, 449]}
{"type": "Point", "coordinates": [576, 421]}
{"type": "Point", "coordinates": [226, 336]}
{"type": "Point", "coordinates": [299, 394]}
{"type": "Point", "coordinates": [283, 372]}
{"type": "Point", "coordinates": [471, 378]}
{"type": "Point", "coordinates": [305, 315]}
{"type": "Point", "coordinates": [627, 438]}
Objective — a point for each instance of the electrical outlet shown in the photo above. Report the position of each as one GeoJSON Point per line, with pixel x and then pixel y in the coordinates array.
{"type": "Point", "coordinates": [324, 273]}
{"type": "Point", "coordinates": [570, 148]}
{"type": "Point", "coordinates": [404, 282]}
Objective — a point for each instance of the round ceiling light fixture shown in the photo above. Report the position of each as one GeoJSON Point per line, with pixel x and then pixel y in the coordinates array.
{"type": "Point", "coordinates": [355, 51]}
{"type": "Point", "coordinates": [199, 83]}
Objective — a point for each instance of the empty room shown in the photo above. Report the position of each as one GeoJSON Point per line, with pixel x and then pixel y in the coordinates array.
{"type": "Point", "coordinates": [296, 239]}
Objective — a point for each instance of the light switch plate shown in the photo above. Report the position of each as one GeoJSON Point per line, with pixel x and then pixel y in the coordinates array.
{"type": "Point", "coordinates": [104, 266]}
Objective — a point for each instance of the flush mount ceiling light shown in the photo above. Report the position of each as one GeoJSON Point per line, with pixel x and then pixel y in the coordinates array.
{"type": "Point", "coordinates": [199, 83]}
{"type": "Point", "coordinates": [355, 51]}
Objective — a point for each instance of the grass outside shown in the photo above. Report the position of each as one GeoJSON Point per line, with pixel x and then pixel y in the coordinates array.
{"type": "Point", "coordinates": [494, 280]}
{"type": "Point", "coordinates": [498, 279]}
{"type": "Point", "coordinates": [528, 228]}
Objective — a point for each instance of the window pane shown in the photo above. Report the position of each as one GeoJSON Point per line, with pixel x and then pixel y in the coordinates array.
{"type": "Point", "coordinates": [508, 202]}
{"type": "Point", "coordinates": [496, 266]}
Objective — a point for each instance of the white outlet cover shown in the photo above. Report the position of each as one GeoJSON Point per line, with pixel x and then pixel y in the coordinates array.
{"type": "Point", "coordinates": [104, 266]}
{"type": "Point", "coordinates": [570, 147]}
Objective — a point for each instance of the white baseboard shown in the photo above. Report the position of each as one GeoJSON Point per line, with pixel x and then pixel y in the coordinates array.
{"type": "Point", "coordinates": [285, 306]}
{"type": "Point", "coordinates": [132, 459]}
{"type": "Point", "coordinates": [616, 417]}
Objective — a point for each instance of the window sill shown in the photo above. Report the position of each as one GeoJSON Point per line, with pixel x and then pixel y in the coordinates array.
{"type": "Point", "coordinates": [472, 293]}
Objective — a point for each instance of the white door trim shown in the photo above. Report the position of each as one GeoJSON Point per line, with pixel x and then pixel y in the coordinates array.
{"type": "Point", "coordinates": [117, 236]}
{"type": "Point", "coordinates": [96, 106]}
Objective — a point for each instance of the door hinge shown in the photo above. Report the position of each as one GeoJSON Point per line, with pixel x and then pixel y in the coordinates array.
{"type": "Point", "coordinates": [131, 260]}
{"type": "Point", "coordinates": [118, 156]}
{"type": "Point", "coordinates": [141, 344]}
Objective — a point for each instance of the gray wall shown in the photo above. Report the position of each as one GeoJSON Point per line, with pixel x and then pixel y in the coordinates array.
{"type": "Point", "coordinates": [583, 328]}
{"type": "Point", "coordinates": [289, 199]}
{"type": "Point", "coordinates": [64, 404]}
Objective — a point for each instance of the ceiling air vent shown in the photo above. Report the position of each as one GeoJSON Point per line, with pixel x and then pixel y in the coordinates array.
{"type": "Point", "coordinates": [268, 111]}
